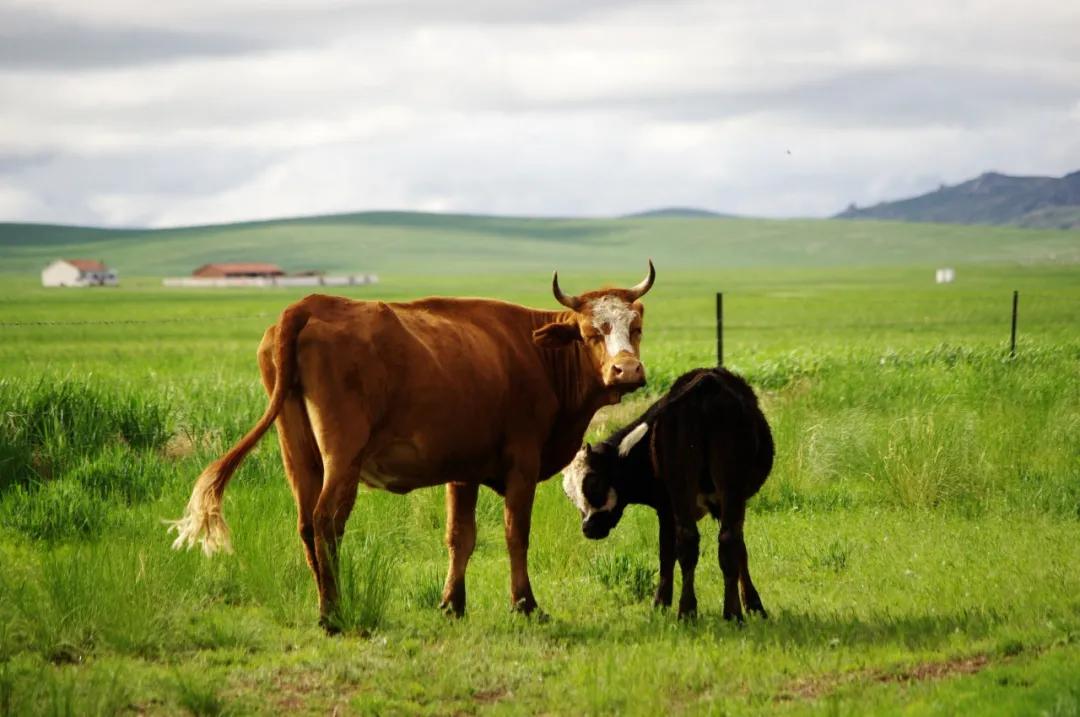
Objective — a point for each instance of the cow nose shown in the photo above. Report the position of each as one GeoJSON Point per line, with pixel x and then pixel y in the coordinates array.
{"type": "Point", "coordinates": [625, 371]}
{"type": "Point", "coordinates": [594, 529]}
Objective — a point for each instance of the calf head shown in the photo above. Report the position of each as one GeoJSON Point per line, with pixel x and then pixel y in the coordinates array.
{"type": "Point", "coordinates": [594, 484]}
{"type": "Point", "coordinates": [608, 323]}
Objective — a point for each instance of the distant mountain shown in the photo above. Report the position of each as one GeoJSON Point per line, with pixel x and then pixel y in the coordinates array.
{"type": "Point", "coordinates": [678, 213]}
{"type": "Point", "coordinates": [991, 198]}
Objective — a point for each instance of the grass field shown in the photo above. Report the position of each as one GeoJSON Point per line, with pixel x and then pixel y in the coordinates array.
{"type": "Point", "coordinates": [916, 545]}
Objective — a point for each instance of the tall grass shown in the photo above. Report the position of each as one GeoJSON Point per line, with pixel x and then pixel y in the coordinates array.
{"type": "Point", "coordinates": [366, 576]}
{"type": "Point", "coordinates": [627, 575]}
{"type": "Point", "coordinates": [199, 695]}
{"type": "Point", "coordinates": [60, 510]}
{"type": "Point", "coordinates": [27, 689]}
{"type": "Point", "coordinates": [945, 428]}
{"type": "Point", "coordinates": [47, 426]}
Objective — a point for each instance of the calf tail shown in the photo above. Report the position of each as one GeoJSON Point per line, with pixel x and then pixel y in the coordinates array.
{"type": "Point", "coordinates": [202, 521]}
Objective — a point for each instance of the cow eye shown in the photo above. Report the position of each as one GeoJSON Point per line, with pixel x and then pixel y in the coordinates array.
{"type": "Point", "coordinates": [635, 331]}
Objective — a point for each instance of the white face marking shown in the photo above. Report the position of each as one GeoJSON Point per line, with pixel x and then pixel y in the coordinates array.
{"type": "Point", "coordinates": [615, 315]}
{"type": "Point", "coordinates": [573, 485]}
{"type": "Point", "coordinates": [573, 476]}
{"type": "Point", "coordinates": [631, 439]}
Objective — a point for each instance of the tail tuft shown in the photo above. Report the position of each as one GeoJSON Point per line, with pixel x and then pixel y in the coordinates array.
{"type": "Point", "coordinates": [203, 522]}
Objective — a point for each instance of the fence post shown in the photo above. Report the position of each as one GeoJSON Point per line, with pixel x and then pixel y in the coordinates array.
{"type": "Point", "coordinates": [1012, 337]}
{"type": "Point", "coordinates": [719, 328]}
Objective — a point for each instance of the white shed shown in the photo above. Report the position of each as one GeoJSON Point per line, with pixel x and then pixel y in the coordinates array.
{"type": "Point", "coordinates": [946, 275]}
{"type": "Point", "coordinates": [78, 272]}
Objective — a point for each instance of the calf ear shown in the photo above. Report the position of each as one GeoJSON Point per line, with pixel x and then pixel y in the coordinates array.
{"type": "Point", "coordinates": [630, 439]}
{"type": "Point", "coordinates": [557, 335]}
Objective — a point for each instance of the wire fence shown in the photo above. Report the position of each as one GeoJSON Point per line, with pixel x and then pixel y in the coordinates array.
{"type": "Point", "coordinates": [861, 316]}
{"type": "Point", "coordinates": [117, 322]}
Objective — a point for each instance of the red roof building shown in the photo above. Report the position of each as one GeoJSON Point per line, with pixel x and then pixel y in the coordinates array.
{"type": "Point", "coordinates": [78, 272]}
{"type": "Point", "coordinates": [85, 265]}
{"type": "Point", "coordinates": [238, 269]}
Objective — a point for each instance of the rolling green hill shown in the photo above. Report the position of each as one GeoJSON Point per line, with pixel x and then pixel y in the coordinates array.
{"type": "Point", "coordinates": [678, 213]}
{"type": "Point", "coordinates": [991, 198]}
{"type": "Point", "coordinates": [416, 243]}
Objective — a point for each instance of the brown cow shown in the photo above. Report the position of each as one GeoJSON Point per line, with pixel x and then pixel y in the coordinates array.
{"type": "Point", "coordinates": [466, 392]}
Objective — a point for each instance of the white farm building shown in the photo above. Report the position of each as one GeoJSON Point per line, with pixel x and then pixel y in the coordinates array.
{"type": "Point", "coordinates": [78, 272]}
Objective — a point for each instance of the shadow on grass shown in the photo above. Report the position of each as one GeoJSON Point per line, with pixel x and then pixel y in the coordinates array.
{"type": "Point", "coordinates": [879, 627]}
{"type": "Point", "coordinates": [783, 628]}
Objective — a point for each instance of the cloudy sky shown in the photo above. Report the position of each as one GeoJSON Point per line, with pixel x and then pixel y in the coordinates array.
{"type": "Point", "coordinates": [136, 113]}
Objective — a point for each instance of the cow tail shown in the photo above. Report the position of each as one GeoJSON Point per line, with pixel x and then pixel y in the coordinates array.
{"type": "Point", "coordinates": [203, 522]}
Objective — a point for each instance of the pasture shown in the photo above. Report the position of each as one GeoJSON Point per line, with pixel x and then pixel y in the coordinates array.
{"type": "Point", "coordinates": [916, 545]}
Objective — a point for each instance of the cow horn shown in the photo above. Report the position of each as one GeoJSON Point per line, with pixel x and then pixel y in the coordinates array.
{"type": "Point", "coordinates": [641, 289]}
{"type": "Point", "coordinates": [570, 302]}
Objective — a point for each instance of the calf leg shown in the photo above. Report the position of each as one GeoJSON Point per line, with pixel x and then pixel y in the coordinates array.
{"type": "Point", "coordinates": [460, 541]}
{"type": "Point", "coordinates": [667, 560]}
{"type": "Point", "coordinates": [751, 599]}
{"type": "Point", "coordinates": [687, 543]}
{"type": "Point", "coordinates": [729, 551]}
{"type": "Point", "coordinates": [750, 596]}
{"type": "Point", "coordinates": [679, 470]}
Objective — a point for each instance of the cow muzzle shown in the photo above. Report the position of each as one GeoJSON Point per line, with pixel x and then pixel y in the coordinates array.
{"type": "Point", "coordinates": [624, 372]}
{"type": "Point", "coordinates": [597, 526]}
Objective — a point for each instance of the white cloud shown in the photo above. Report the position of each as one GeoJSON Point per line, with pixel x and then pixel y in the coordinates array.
{"type": "Point", "coordinates": [15, 202]}
{"type": "Point", "coordinates": [514, 107]}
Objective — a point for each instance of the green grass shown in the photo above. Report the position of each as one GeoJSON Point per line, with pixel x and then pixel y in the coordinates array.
{"type": "Point", "coordinates": [915, 545]}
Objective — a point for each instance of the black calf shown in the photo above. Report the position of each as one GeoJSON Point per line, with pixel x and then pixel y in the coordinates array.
{"type": "Point", "coordinates": [709, 449]}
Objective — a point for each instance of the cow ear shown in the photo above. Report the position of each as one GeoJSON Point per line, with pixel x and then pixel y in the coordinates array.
{"type": "Point", "coordinates": [631, 439]}
{"type": "Point", "coordinates": [557, 335]}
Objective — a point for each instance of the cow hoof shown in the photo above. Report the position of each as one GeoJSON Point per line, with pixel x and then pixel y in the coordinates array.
{"type": "Point", "coordinates": [451, 610]}
{"type": "Point", "coordinates": [736, 616]}
{"type": "Point", "coordinates": [687, 608]}
{"type": "Point", "coordinates": [525, 606]}
{"type": "Point", "coordinates": [330, 627]}
{"type": "Point", "coordinates": [759, 611]}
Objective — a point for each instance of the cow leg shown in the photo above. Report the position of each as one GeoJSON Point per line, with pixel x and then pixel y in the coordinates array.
{"type": "Point", "coordinates": [303, 466]}
{"type": "Point", "coordinates": [517, 518]}
{"type": "Point", "coordinates": [460, 541]}
{"type": "Point", "coordinates": [687, 543]}
{"type": "Point", "coordinates": [667, 559]}
{"type": "Point", "coordinates": [751, 599]}
{"type": "Point", "coordinates": [299, 452]}
{"type": "Point", "coordinates": [331, 513]}
{"type": "Point", "coordinates": [731, 552]}
{"type": "Point", "coordinates": [679, 470]}
{"type": "Point", "coordinates": [750, 596]}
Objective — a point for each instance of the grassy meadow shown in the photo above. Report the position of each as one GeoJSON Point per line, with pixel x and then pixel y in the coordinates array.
{"type": "Point", "coordinates": [916, 545]}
